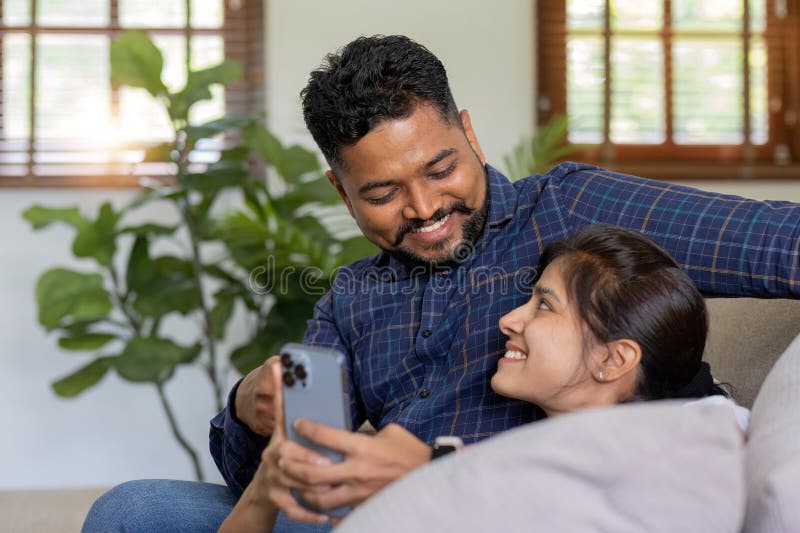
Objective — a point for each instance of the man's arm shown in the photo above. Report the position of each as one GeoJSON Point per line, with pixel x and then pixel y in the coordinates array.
{"type": "Point", "coordinates": [240, 432]}
{"type": "Point", "coordinates": [728, 245]}
{"type": "Point", "coordinates": [236, 448]}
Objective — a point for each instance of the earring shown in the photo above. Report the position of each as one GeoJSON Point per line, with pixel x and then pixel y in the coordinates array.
{"type": "Point", "coordinates": [600, 375]}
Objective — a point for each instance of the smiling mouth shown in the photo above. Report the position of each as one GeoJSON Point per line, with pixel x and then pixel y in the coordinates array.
{"type": "Point", "coordinates": [515, 354]}
{"type": "Point", "coordinates": [432, 227]}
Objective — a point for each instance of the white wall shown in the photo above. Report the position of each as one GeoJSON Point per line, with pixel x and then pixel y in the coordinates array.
{"type": "Point", "coordinates": [116, 431]}
{"type": "Point", "coordinates": [485, 47]}
{"type": "Point", "coordinates": [113, 432]}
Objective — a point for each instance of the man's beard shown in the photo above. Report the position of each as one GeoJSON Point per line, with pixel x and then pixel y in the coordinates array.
{"type": "Point", "coordinates": [454, 255]}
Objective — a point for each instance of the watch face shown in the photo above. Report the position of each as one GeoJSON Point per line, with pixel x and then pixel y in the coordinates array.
{"type": "Point", "coordinates": [446, 444]}
{"type": "Point", "coordinates": [439, 451]}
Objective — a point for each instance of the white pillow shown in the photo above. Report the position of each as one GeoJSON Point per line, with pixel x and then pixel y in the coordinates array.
{"type": "Point", "coordinates": [773, 450]}
{"type": "Point", "coordinates": [655, 467]}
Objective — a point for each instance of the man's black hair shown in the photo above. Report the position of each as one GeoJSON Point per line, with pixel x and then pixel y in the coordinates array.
{"type": "Point", "coordinates": [370, 80]}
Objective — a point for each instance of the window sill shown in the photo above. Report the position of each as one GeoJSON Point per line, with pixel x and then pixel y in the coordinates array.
{"type": "Point", "coordinates": [79, 182]}
{"type": "Point", "coordinates": [672, 171]}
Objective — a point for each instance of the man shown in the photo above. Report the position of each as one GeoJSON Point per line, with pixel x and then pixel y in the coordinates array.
{"type": "Point", "coordinates": [419, 322]}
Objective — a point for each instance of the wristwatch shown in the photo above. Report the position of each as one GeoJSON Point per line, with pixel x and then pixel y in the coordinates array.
{"type": "Point", "coordinates": [444, 445]}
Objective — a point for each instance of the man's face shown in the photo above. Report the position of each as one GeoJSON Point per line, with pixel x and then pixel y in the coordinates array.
{"type": "Point", "coordinates": [416, 186]}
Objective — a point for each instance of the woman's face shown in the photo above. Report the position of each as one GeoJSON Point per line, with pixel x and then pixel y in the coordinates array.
{"type": "Point", "coordinates": [544, 362]}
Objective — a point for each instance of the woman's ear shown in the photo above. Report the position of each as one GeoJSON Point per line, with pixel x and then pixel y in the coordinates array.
{"type": "Point", "coordinates": [621, 359]}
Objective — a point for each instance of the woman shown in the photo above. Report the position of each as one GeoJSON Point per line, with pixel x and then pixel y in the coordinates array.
{"type": "Point", "coordinates": [612, 319]}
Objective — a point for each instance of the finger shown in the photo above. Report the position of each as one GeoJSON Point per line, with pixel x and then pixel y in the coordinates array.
{"type": "Point", "coordinates": [286, 503]}
{"type": "Point", "coordinates": [292, 452]}
{"type": "Point", "coordinates": [311, 474]}
{"type": "Point", "coordinates": [274, 366]}
{"type": "Point", "coordinates": [330, 437]}
{"type": "Point", "coordinates": [284, 480]}
{"type": "Point", "coordinates": [266, 386]}
{"type": "Point", "coordinates": [342, 495]}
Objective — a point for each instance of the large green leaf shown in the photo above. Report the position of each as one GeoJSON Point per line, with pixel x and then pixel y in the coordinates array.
{"type": "Point", "coordinates": [250, 192]}
{"type": "Point", "coordinates": [233, 285]}
{"type": "Point", "coordinates": [41, 217]}
{"type": "Point", "coordinates": [356, 248]}
{"type": "Point", "coordinates": [539, 152]}
{"type": "Point", "coordinates": [290, 163]}
{"type": "Point", "coordinates": [140, 268]}
{"type": "Point", "coordinates": [97, 239]}
{"type": "Point", "coordinates": [296, 162]}
{"type": "Point", "coordinates": [172, 287]}
{"type": "Point", "coordinates": [160, 153]}
{"type": "Point", "coordinates": [198, 85]}
{"type": "Point", "coordinates": [238, 230]}
{"type": "Point", "coordinates": [237, 154]}
{"type": "Point", "coordinates": [68, 296]}
{"type": "Point", "coordinates": [83, 378]}
{"type": "Point", "coordinates": [215, 127]}
{"type": "Point", "coordinates": [148, 359]}
{"type": "Point", "coordinates": [264, 143]}
{"type": "Point", "coordinates": [221, 313]}
{"type": "Point", "coordinates": [217, 176]}
{"type": "Point", "coordinates": [137, 62]}
{"type": "Point", "coordinates": [148, 229]}
{"type": "Point", "coordinates": [286, 323]}
{"type": "Point", "coordinates": [87, 341]}
{"type": "Point", "coordinates": [317, 190]}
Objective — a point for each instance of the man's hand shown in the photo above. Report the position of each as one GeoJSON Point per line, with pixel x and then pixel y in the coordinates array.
{"type": "Point", "coordinates": [255, 398]}
{"type": "Point", "coordinates": [371, 463]}
{"type": "Point", "coordinates": [269, 477]}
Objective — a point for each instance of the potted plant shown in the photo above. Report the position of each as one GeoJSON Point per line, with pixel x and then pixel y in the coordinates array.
{"type": "Point", "coordinates": [114, 309]}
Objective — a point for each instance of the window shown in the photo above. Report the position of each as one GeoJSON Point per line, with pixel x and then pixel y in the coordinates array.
{"type": "Point", "coordinates": [674, 88]}
{"type": "Point", "coordinates": [61, 122]}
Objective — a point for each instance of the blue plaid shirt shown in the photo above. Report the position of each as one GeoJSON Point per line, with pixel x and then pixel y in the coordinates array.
{"type": "Point", "coordinates": [422, 346]}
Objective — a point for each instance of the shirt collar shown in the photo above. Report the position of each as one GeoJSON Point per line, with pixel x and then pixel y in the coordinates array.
{"type": "Point", "coordinates": [502, 198]}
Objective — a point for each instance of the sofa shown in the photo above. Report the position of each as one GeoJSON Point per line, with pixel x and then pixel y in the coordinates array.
{"type": "Point", "coordinates": [746, 338]}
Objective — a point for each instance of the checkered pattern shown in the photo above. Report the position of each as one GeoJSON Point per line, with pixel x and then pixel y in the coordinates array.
{"type": "Point", "coordinates": [421, 347]}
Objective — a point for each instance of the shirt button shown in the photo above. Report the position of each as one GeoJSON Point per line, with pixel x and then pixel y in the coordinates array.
{"type": "Point", "coordinates": [426, 333]}
{"type": "Point", "coordinates": [424, 393]}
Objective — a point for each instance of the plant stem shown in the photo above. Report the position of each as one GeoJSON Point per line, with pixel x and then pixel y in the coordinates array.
{"type": "Point", "coordinates": [198, 471]}
{"type": "Point", "coordinates": [132, 320]}
{"type": "Point", "coordinates": [197, 268]}
{"type": "Point", "coordinates": [210, 342]}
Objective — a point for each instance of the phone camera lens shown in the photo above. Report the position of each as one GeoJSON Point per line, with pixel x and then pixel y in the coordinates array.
{"type": "Point", "coordinates": [286, 360]}
{"type": "Point", "coordinates": [300, 372]}
{"type": "Point", "coordinates": [288, 379]}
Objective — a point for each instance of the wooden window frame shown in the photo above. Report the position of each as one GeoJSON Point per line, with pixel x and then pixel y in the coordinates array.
{"type": "Point", "coordinates": [243, 36]}
{"type": "Point", "coordinates": [779, 158]}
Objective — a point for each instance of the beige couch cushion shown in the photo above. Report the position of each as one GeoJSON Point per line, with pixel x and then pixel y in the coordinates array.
{"type": "Point", "coordinates": [746, 337]}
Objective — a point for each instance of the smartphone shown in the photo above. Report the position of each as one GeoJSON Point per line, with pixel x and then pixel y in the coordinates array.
{"type": "Point", "coordinates": [315, 388]}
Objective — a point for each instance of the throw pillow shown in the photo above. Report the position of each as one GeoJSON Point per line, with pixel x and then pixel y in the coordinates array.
{"type": "Point", "coordinates": [656, 467]}
{"type": "Point", "coordinates": [773, 450]}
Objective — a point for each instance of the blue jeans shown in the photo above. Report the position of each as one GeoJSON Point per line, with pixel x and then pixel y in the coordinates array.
{"type": "Point", "coordinates": [153, 505]}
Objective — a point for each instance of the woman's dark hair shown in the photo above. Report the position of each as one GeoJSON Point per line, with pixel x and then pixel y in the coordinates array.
{"type": "Point", "coordinates": [624, 286]}
{"type": "Point", "coordinates": [370, 80]}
